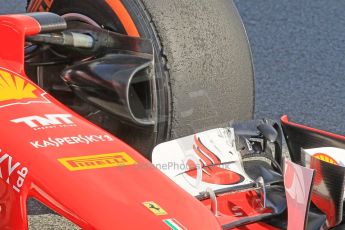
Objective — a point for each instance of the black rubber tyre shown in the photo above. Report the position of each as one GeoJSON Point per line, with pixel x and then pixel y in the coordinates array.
{"type": "Point", "coordinates": [203, 62]}
{"type": "Point", "coordinates": [209, 62]}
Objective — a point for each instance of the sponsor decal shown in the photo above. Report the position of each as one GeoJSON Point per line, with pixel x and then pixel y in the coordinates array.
{"type": "Point", "coordinates": [174, 224]}
{"type": "Point", "coordinates": [325, 157]}
{"type": "Point", "coordinates": [46, 121]}
{"type": "Point", "coordinates": [332, 155]}
{"type": "Point", "coordinates": [70, 140]}
{"type": "Point", "coordinates": [16, 90]}
{"type": "Point", "coordinates": [211, 167]}
{"type": "Point", "coordinates": [204, 160]}
{"type": "Point", "coordinates": [97, 161]}
{"type": "Point", "coordinates": [12, 172]}
{"type": "Point", "coordinates": [40, 5]}
{"type": "Point", "coordinates": [155, 208]}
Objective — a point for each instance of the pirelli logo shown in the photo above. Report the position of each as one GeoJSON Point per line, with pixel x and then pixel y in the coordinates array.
{"type": "Point", "coordinates": [97, 161]}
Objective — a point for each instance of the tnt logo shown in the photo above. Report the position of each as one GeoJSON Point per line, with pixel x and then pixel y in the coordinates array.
{"type": "Point", "coordinates": [12, 172]}
{"type": "Point", "coordinates": [46, 121]}
{"type": "Point", "coordinates": [97, 161]}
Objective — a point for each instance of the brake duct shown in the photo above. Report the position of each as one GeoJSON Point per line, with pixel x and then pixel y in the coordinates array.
{"type": "Point", "coordinates": [116, 83]}
{"type": "Point", "coordinates": [116, 77]}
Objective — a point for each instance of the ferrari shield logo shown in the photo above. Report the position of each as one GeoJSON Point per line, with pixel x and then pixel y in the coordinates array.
{"type": "Point", "coordinates": [155, 208]}
{"type": "Point", "coordinates": [15, 89]}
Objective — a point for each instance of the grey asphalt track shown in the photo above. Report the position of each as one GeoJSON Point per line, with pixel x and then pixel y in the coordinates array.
{"type": "Point", "coordinates": [298, 50]}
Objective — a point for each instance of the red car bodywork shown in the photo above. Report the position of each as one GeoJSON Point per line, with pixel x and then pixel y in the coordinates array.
{"type": "Point", "coordinates": [84, 173]}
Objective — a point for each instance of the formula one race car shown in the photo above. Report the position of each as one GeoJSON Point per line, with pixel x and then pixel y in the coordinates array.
{"type": "Point", "coordinates": [235, 177]}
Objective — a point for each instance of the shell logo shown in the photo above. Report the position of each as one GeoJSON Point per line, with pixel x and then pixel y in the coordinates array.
{"type": "Point", "coordinates": [325, 157]}
{"type": "Point", "coordinates": [15, 89]}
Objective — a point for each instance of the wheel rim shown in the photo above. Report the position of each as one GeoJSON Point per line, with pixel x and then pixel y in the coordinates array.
{"type": "Point", "coordinates": [80, 17]}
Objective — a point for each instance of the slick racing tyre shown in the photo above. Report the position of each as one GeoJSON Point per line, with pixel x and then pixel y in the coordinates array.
{"type": "Point", "coordinates": [203, 75]}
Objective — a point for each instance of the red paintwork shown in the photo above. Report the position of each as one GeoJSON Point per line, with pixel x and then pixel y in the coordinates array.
{"type": "Point", "coordinates": [12, 34]}
{"type": "Point", "coordinates": [285, 120]}
{"type": "Point", "coordinates": [211, 172]}
{"type": "Point", "coordinates": [215, 175]}
{"type": "Point", "coordinates": [257, 226]}
{"type": "Point", "coordinates": [102, 198]}
{"type": "Point", "coordinates": [236, 206]}
{"type": "Point", "coordinates": [202, 149]}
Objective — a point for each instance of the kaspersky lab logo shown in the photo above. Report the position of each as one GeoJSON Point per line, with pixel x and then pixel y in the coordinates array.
{"type": "Point", "coordinates": [16, 90]}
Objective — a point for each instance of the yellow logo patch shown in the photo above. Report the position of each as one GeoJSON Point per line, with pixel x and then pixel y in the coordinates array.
{"type": "Point", "coordinates": [97, 161]}
{"type": "Point", "coordinates": [325, 157]}
{"type": "Point", "coordinates": [155, 208]}
{"type": "Point", "coordinates": [15, 89]}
